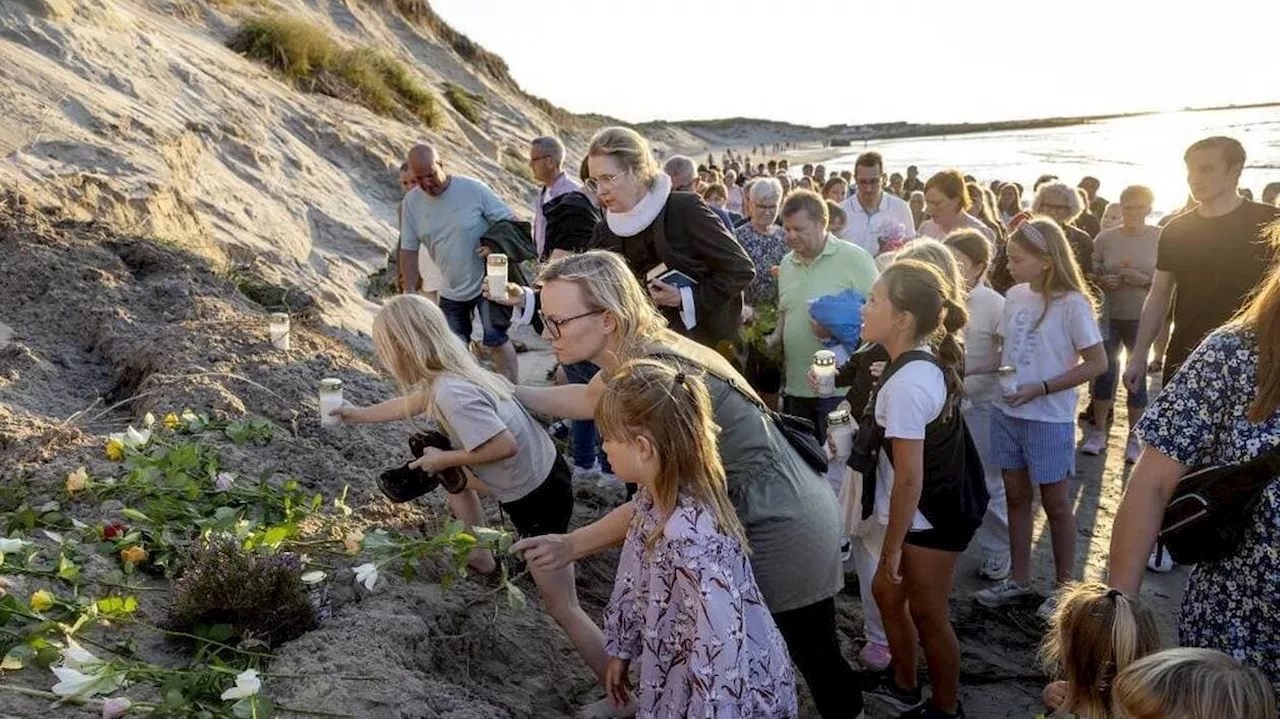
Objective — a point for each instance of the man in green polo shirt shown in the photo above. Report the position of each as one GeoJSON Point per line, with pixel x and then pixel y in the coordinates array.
{"type": "Point", "coordinates": [818, 264]}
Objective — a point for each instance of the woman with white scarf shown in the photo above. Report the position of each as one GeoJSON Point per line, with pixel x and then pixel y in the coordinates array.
{"type": "Point", "coordinates": [651, 226]}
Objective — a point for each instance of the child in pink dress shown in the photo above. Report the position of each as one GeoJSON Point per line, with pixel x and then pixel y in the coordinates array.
{"type": "Point", "coordinates": [685, 605]}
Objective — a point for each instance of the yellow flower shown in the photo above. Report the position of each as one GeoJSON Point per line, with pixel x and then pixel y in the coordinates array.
{"type": "Point", "coordinates": [77, 480]}
{"type": "Point", "coordinates": [352, 542]}
{"type": "Point", "coordinates": [171, 421]}
{"type": "Point", "coordinates": [115, 450]}
{"type": "Point", "coordinates": [133, 555]}
{"type": "Point", "coordinates": [41, 601]}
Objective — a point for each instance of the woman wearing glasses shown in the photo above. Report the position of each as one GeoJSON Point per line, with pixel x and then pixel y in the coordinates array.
{"type": "Point", "coordinates": [653, 227]}
{"type": "Point", "coordinates": [594, 310]}
{"type": "Point", "coordinates": [1060, 202]}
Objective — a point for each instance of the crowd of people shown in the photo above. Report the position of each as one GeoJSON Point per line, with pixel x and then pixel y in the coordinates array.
{"type": "Point", "coordinates": [717, 326]}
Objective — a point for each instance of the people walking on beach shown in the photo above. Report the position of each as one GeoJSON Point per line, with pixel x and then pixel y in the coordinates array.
{"type": "Point", "coordinates": [873, 214]}
{"type": "Point", "coordinates": [1210, 258]}
{"type": "Point", "coordinates": [653, 227]}
{"type": "Point", "coordinates": [428, 279]}
{"type": "Point", "coordinates": [1095, 204]}
{"type": "Point", "coordinates": [1094, 634]}
{"type": "Point", "coordinates": [1051, 339]}
{"type": "Point", "coordinates": [596, 310]}
{"type": "Point", "coordinates": [936, 497]}
{"type": "Point", "coordinates": [1218, 410]}
{"type": "Point", "coordinates": [685, 179]}
{"type": "Point", "coordinates": [982, 390]}
{"type": "Point", "coordinates": [818, 264]}
{"type": "Point", "coordinates": [506, 451]}
{"type": "Point", "coordinates": [947, 201]}
{"type": "Point", "coordinates": [765, 243]}
{"type": "Point", "coordinates": [447, 215]}
{"type": "Point", "coordinates": [835, 190]}
{"type": "Point", "coordinates": [1124, 262]}
{"type": "Point", "coordinates": [1061, 203]}
{"type": "Point", "coordinates": [685, 605]}
{"type": "Point", "coordinates": [913, 183]}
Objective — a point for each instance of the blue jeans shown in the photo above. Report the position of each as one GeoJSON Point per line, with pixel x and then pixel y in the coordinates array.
{"type": "Point", "coordinates": [494, 318]}
{"type": "Point", "coordinates": [1120, 332]}
{"type": "Point", "coordinates": [586, 443]}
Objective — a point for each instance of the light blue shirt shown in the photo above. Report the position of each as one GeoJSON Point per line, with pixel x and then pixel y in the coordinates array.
{"type": "Point", "coordinates": [449, 227]}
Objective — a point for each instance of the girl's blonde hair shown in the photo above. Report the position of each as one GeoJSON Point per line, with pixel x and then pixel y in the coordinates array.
{"type": "Point", "coordinates": [921, 289]}
{"type": "Point", "coordinates": [1044, 239]}
{"type": "Point", "coordinates": [1261, 316]}
{"type": "Point", "coordinates": [1193, 683]}
{"type": "Point", "coordinates": [629, 149]}
{"type": "Point", "coordinates": [1096, 632]}
{"type": "Point", "coordinates": [607, 284]}
{"type": "Point", "coordinates": [935, 253]}
{"type": "Point", "coordinates": [413, 341]}
{"type": "Point", "coordinates": [672, 408]}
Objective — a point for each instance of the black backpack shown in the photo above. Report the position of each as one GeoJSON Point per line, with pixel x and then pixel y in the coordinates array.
{"type": "Point", "coordinates": [1211, 508]}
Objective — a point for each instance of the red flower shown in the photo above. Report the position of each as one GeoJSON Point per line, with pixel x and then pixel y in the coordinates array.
{"type": "Point", "coordinates": [114, 530]}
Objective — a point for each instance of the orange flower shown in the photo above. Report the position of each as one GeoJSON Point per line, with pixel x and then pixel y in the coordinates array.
{"type": "Point", "coordinates": [133, 555]}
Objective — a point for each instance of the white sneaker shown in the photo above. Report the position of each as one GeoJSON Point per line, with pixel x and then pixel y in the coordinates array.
{"type": "Point", "coordinates": [1000, 594]}
{"type": "Point", "coordinates": [994, 568]}
{"type": "Point", "coordinates": [586, 474]}
{"type": "Point", "coordinates": [1160, 561]}
{"type": "Point", "coordinates": [607, 480]}
{"type": "Point", "coordinates": [1048, 607]}
{"type": "Point", "coordinates": [1094, 443]}
{"type": "Point", "coordinates": [1132, 449]}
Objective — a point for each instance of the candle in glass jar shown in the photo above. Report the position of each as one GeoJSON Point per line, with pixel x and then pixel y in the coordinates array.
{"type": "Point", "coordinates": [497, 274]}
{"type": "Point", "coordinates": [840, 431]}
{"type": "Point", "coordinates": [330, 399]}
{"type": "Point", "coordinates": [278, 329]}
{"type": "Point", "coordinates": [824, 370]}
{"type": "Point", "coordinates": [1008, 380]}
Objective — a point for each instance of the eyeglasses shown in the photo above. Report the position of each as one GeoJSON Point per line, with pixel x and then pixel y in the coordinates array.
{"type": "Point", "coordinates": [553, 326]}
{"type": "Point", "coordinates": [535, 159]}
{"type": "Point", "coordinates": [869, 181]}
{"type": "Point", "coordinates": [595, 183]}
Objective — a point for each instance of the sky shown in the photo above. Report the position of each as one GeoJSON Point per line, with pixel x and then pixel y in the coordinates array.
{"type": "Point", "coordinates": [820, 62]}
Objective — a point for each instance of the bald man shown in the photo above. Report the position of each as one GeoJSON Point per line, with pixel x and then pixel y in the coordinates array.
{"type": "Point", "coordinates": [447, 215]}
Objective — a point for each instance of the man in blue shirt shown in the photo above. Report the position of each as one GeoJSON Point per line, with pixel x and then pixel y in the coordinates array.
{"type": "Point", "coordinates": [447, 215]}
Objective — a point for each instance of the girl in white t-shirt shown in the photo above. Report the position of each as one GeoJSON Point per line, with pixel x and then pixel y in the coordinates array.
{"type": "Point", "coordinates": [1051, 338]}
{"type": "Point", "coordinates": [935, 503]}
{"type": "Point", "coordinates": [982, 390]}
{"type": "Point", "coordinates": [505, 451]}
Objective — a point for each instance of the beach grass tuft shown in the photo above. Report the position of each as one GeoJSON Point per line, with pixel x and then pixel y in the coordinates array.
{"type": "Point", "coordinates": [466, 103]}
{"type": "Point", "coordinates": [517, 168]}
{"type": "Point", "coordinates": [311, 58]}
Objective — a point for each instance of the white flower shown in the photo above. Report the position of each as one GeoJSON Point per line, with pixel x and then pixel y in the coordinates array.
{"type": "Point", "coordinates": [78, 658]}
{"type": "Point", "coordinates": [148, 420]}
{"type": "Point", "coordinates": [313, 577]}
{"type": "Point", "coordinates": [73, 683]}
{"type": "Point", "coordinates": [115, 707]}
{"type": "Point", "coordinates": [367, 574]}
{"type": "Point", "coordinates": [132, 437]}
{"type": "Point", "coordinates": [9, 545]}
{"type": "Point", "coordinates": [247, 684]}
{"type": "Point", "coordinates": [223, 481]}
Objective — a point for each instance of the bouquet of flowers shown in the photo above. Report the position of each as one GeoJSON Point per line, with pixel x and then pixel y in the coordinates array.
{"type": "Point", "coordinates": [892, 237]}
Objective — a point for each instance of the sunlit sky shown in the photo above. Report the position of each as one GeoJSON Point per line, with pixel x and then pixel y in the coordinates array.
{"type": "Point", "coordinates": [821, 62]}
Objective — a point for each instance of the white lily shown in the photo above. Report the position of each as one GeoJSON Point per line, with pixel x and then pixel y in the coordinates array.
{"type": "Point", "coordinates": [115, 707]}
{"type": "Point", "coordinates": [77, 684]}
{"type": "Point", "coordinates": [132, 437]}
{"type": "Point", "coordinates": [9, 545]}
{"type": "Point", "coordinates": [367, 574]}
{"type": "Point", "coordinates": [314, 577]}
{"type": "Point", "coordinates": [247, 684]}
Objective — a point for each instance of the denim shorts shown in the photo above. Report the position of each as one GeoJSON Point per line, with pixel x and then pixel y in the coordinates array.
{"type": "Point", "coordinates": [1047, 450]}
{"type": "Point", "coordinates": [494, 318]}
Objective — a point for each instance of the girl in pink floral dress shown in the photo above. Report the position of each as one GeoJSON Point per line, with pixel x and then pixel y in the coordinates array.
{"type": "Point", "coordinates": [685, 605]}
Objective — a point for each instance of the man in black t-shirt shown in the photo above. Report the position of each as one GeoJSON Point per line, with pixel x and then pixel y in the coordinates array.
{"type": "Point", "coordinates": [1214, 256]}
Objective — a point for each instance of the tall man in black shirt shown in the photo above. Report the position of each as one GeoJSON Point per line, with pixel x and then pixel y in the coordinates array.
{"type": "Point", "coordinates": [1214, 256]}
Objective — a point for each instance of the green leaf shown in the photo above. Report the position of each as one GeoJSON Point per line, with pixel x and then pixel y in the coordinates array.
{"type": "Point", "coordinates": [276, 535]}
{"type": "Point", "coordinates": [67, 570]}
{"type": "Point", "coordinates": [135, 515]}
{"type": "Point", "coordinates": [47, 656]}
{"type": "Point", "coordinates": [219, 632]}
{"type": "Point", "coordinates": [117, 606]}
{"type": "Point", "coordinates": [316, 501]}
{"type": "Point", "coordinates": [17, 657]}
{"type": "Point", "coordinates": [515, 597]}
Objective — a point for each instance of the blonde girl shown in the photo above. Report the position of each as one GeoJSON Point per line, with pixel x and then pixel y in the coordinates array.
{"type": "Point", "coordinates": [507, 453]}
{"type": "Point", "coordinates": [685, 604]}
{"type": "Point", "coordinates": [1192, 683]}
{"type": "Point", "coordinates": [1095, 633]}
{"type": "Point", "coordinates": [1051, 339]}
{"type": "Point", "coordinates": [936, 498]}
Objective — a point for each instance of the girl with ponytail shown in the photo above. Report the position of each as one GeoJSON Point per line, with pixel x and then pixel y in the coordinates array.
{"type": "Point", "coordinates": [1094, 635]}
{"type": "Point", "coordinates": [922, 472]}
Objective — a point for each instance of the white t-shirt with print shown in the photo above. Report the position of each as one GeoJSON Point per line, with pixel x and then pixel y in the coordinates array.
{"type": "Point", "coordinates": [906, 404]}
{"type": "Point", "coordinates": [981, 341]}
{"type": "Point", "coordinates": [1042, 352]}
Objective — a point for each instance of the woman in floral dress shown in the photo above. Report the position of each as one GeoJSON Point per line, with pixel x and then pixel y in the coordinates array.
{"type": "Point", "coordinates": [1221, 408]}
{"type": "Point", "coordinates": [685, 605]}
